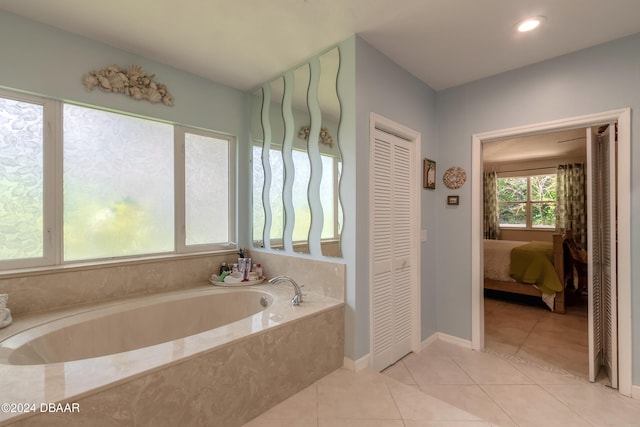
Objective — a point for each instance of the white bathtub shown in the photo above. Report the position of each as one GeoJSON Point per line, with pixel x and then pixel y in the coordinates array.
{"type": "Point", "coordinates": [225, 355]}
{"type": "Point", "coordinates": [131, 325]}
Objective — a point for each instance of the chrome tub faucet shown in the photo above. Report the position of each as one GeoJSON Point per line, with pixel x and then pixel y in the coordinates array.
{"type": "Point", "coordinates": [297, 298]}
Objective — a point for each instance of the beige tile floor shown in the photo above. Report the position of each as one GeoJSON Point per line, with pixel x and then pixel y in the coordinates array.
{"type": "Point", "coordinates": [449, 385]}
{"type": "Point", "coordinates": [524, 327]}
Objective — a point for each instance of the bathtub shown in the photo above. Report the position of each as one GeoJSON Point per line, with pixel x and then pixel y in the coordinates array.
{"type": "Point", "coordinates": [130, 326]}
{"type": "Point", "coordinates": [204, 356]}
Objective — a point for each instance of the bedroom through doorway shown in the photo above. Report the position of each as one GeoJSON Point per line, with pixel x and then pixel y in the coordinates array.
{"type": "Point", "coordinates": [518, 320]}
{"type": "Point", "coordinates": [610, 261]}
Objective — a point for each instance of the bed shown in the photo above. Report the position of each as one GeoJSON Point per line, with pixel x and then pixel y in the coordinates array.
{"type": "Point", "coordinates": [527, 268]}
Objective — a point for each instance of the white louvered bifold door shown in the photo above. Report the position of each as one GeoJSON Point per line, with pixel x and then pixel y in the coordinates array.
{"type": "Point", "coordinates": [609, 256]}
{"type": "Point", "coordinates": [391, 245]}
{"type": "Point", "coordinates": [594, 287]}
{"type": "Point", "coordinates": [601, 246]}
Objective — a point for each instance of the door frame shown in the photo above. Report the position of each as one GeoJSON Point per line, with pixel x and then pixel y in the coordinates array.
{"type": "Point", "coordinates": [623, 118]}
{"type": "Point", "coordinates": [384, 124]}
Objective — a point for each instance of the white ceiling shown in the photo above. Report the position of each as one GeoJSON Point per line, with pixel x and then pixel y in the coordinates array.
{"type": "Point", "coordinates": [536, 150]}
{"type": "Point", "coordinates": [243, 43]}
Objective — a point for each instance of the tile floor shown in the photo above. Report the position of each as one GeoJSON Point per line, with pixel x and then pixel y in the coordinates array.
{"type": "Point", "coordinates": [524, 327]}
{"type": "Point", "coordinates": [449, 385]}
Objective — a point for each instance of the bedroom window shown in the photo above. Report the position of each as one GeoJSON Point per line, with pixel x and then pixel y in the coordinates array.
{"type": "Point", "coordinates": [527, 201]}
{"type": "Point", "coordinates": [84, 184]}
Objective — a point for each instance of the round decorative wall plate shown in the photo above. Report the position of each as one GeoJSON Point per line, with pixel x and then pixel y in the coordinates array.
{"type": "Point", "coordinates": [454, 177]}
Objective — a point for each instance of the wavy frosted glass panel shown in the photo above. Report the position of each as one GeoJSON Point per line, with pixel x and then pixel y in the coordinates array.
{"type": "Point", "coordinates": [300, 157]}
{"type": "Point", "coordinates": [287, 159]}
{"type": "Point", "coordinates": [331, 113]}
{"type": "Point", "coordinates": [257, 140]}
{"type": "Point", "coordinates": [340, 211]}
{"type": "Point", "coordinates": [118, 185]}
{"type": "Point", "coordinates": [295, 187]}
{"type": "Point", "coordinates": [276, 161]}
{"type": "Point", "coordinates": [207, 189]}
{"type": "Point", "coordinates": [317, 222]}
{"type": "Point", "coordinates": [21, 180]}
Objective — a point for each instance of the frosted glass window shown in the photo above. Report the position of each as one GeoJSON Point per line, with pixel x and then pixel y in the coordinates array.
{"type": "Point", "coordinates": [207, 189]}
{"type": "Point", "coordinates": [21, 180]}
{"type": "Point", "coordinates": [300, 200]}
{"type": "Point", "coordinates": [275, 194]}
{"type": "Point", "coordinates": [258, 185]}
{"type": "Point", "coordinates": [118, 185]}
{"type": "Point", "coordinates": [327, 197]}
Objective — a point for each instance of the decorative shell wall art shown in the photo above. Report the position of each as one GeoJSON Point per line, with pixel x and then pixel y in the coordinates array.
{"type": "Point", "coordinates": [325, 136]}
{"type": "Point", "coordinates": [133, 82]}
{"type": "Point", "coordinates": [454, 177]}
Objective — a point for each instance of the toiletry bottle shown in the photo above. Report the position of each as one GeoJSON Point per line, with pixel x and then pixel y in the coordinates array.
{"type": "Point", "coordinates": [258, 269]}
{"type": "Point", "coordinates": [224, 267]}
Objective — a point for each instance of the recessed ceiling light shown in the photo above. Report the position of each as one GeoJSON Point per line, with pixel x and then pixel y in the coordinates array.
{"type": "Point", "coordinates": [531, 23]}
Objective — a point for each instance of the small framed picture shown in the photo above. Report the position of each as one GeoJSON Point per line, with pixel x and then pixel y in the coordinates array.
{"type": "Point", "coordinates": [429, 174]}
{"type": "Point", "coordinates": [453, 200]}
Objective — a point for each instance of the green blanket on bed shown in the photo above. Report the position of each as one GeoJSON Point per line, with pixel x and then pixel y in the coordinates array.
{"type": "Point", "coordinates": [532, 263]}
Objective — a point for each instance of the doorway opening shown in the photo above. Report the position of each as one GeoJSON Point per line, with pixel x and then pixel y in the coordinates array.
{"type": "Point", "coordinates": [529, 174]}
{"type": "Point", "coordinates": [622, 158]}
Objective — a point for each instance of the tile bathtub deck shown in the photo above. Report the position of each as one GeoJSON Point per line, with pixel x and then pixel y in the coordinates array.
{"type": "Point", "coordinates": [448, 385]}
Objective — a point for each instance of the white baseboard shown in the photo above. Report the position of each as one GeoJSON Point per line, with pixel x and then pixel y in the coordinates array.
{"type": "Point", "coordinates": [365, 361]}
{"type": "Point", "coordinates": [356, 365]}
{"type": "Point", "coordinates": [635, 392]}
{"type": "Point", "coordinates": [426, 343]}
{"type": "Point", "coordinates": [446, 338]}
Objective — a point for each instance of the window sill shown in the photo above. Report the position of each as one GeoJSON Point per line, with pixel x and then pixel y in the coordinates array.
{"type": "Point", "coordinates": [94, 265]}
{"type": "Point", "coordinates": [548, 230]}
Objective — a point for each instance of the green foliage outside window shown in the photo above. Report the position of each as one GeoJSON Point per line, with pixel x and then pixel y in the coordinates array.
{"type": "Point", "coordinates": [528, 201]}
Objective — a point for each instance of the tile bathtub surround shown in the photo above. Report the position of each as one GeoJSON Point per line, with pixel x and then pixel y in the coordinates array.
{"type": "Point", "coordinates": [224, 387]}
{"type": "Point", "coordinates": [323, 277]}
{"type": "Point", "coordinates": [35, 292]}
{"type": "Point", "coordinates": [55, 289]}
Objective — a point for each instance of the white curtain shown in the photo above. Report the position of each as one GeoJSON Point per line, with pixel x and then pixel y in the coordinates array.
{"type": "Point", "coordinates": [491, 209]}
{"type": "Point", "coordinates": [571, 211]}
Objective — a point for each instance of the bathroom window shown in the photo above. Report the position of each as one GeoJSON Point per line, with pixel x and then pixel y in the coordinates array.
{"type": "Point", "coordinates": [23, 182]}
{"type": "Point", "coordinates": [208, 188]}
{"type": "Point", "coordinates": [118, 185]}
{"type": "Point", "coordinates": [125, 186]}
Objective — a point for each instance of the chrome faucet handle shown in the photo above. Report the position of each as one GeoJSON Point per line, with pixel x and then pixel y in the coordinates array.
{"type": "Point", "coordinates": [297, 299]}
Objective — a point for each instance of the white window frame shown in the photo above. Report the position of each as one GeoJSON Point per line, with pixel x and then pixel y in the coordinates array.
{"type": "Point", "coordinates": [180, 187]}
{"type": "Point", "coordinates": [50, 231]}
{"type": "Point", "coordinates": [528, 203]}
{"type": "Point", "coordinates": [52, 237]}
